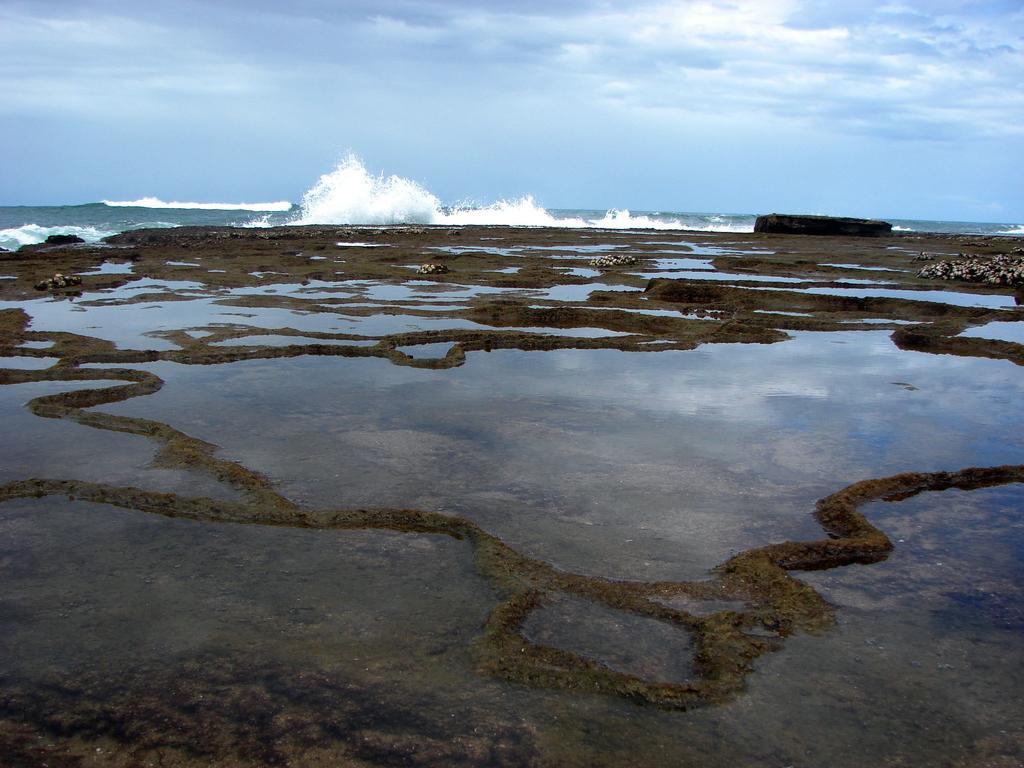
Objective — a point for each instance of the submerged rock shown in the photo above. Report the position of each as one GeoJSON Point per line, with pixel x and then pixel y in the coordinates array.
{"type": "Point", "coordinates": [787, 224]}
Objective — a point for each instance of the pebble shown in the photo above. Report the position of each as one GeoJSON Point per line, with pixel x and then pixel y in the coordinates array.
{"type": "Point", "coordinates": [432, 269]}
{"type": "Point", "coordinates": [993, 270]}
{"type": "Point", "coordinates": [613, 260]}
{"type": "Point", "coordinates": [58, 281]}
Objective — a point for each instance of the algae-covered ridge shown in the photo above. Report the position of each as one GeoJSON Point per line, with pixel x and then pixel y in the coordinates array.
{"type": "Point", "coordinates": [527, 289]}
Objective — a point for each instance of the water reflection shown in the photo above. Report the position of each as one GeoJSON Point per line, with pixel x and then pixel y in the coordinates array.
{"type": "Point", "coordinates": [1001, 331]}
{"type": "Point", "coordinates": [712, 450]}
{"type": "Point", "coordinates": [647, 466]}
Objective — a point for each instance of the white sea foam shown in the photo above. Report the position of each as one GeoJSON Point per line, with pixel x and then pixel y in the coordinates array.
{"type": "Point", "coordinates": [29, 234]}
{"type": "Point", "coordinates": [898, 228]}
{"type": "Point", "coordinates": [1016, 229]}
{"type": "Point", "coordinates": [625, 220]}
{"type": "Point", "coordinates": [523, 212]}
{"type": "Point", "coordinates": [153, 202]}
{"type": "Point", "coordinates": [352, 195]}
{"type": "Point", "coordinates": [735, 228]}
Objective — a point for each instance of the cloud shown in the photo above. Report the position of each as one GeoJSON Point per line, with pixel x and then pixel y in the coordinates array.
{"type": "Point", "coordinates": [501, 98]}
{"type": "Point", "coordinates": [887, 69]}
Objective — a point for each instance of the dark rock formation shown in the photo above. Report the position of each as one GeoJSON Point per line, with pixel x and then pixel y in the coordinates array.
{"type": "Point", "coordinates": [786, 224]}
{"type": "Point", "coordinates": [63, 240]}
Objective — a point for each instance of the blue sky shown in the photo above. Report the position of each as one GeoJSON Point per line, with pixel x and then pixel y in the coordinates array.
{"type": "Point", "coordinates": [854, 108]}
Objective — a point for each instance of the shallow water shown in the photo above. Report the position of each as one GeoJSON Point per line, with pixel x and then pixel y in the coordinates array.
{"type": "Point", "coordinates": [275, 642]}
{"type": "Point", "coordinates": [510, 439]}
{"type": "Point", "coordinates": [622, 641]}
{"type": "Point", "coordinates": [112, 268]}
{"type": "Point", "coordinates": [576, 292]}
{"type": "Point", "coordinates": [50, 448]}
{"type": "Point", "coordinates": [27, 363]}
{"type": "Point", "coordinates": [1002, 331]}
{"type": "Point", "coordinates": [426, 351]}
{"type": "Point", "coordinates": [862, 266]}
{"type": "Point", "coordinates": [680, 264]}
{"type": "Point", "coordinates": [285, 341]}
{"type": "Point", "coordinates": [953, 298]}
{"type": "Point", "coordinates": [691, 274]}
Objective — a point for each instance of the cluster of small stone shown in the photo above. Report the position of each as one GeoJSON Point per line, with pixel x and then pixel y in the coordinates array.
{"type": "Point", "coordinates": [613, 260]}
{"type": "Point", "coordinates": [994, 270]}
{"type": "Point", "coordinates": [432, 269]}
{"type": "Point", "coordinates": [925, 256]}
{"type": "Point", "coordinates": [58, 281]}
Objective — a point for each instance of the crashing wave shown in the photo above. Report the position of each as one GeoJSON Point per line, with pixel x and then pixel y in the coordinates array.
{"type": "Point", "coordinates": [30, 234]}
{"type": "Point", "coordinates": [154, 202]}
{"type": "Point", "coordinates": [352, 195]}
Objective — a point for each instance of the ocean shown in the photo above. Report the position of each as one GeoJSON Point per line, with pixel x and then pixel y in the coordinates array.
{"type": "Point", "coordinates": [351, 195]}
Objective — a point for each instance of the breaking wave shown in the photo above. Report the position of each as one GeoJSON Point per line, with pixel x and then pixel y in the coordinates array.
{"type": "Point", "coordinates": [1016, 229]}
{"type": "Point", "coordinates": [154, 202]}
{"type": "Point", "coordinates": [30, 234]}
{"type": "Point", "coordinates": [352, 195]}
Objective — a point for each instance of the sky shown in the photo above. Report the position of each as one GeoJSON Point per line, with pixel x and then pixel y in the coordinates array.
{"type": "Point", "coordinates": [900, 110]}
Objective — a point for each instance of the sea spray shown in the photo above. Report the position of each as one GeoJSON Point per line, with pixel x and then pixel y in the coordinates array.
{"type": "Point", "coordinates": [351, 195]}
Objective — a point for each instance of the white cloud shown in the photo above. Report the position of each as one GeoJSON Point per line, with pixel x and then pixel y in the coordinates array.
{"type": "Point", "coordinates": [891, 69]}
{"type": "Point", "coordinates": [522, 90]}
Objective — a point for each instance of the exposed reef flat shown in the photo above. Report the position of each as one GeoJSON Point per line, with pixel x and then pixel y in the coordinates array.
{"type": "Point", "coordinates": [174, 359]}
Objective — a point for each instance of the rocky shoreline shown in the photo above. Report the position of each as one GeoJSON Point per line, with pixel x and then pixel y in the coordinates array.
{"type": "Point", "coordinates": [257, 297]}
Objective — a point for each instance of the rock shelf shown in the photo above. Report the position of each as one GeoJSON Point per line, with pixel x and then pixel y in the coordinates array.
{"type": "Point", "coordinates": [483, 305]}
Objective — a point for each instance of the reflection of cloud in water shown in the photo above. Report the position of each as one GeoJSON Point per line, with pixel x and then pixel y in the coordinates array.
{"type": "Point", "coordinates": [710, 451]}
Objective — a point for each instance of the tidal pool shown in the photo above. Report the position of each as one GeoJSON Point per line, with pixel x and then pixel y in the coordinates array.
{"type": "Point", "coordinates": [249, 557]}
{"type": "Point", "coordinates": [659, 468]}
{"type": "Point", "coordinates": [1001, 331]}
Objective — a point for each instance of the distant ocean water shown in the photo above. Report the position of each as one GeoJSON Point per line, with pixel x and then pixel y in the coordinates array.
{"type": "Point", "coordinates": [351, 195]}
